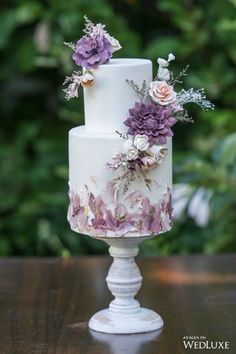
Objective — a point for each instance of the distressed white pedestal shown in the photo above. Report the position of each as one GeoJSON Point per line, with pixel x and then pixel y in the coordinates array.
{"type": "Point", "coordinates": [124, 280]}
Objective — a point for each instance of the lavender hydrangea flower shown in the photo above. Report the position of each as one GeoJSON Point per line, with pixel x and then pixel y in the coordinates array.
{"type": "Point", "coordinates": [151, 120]}
{"type": "Point", "coordinates": [91, 52]}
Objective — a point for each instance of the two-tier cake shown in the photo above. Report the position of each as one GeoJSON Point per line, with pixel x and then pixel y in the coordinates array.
{"type": "Point", "coordinates": [120, 161]}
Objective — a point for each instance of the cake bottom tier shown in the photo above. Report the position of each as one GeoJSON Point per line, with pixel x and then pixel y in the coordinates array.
{"type": "Point", "coordinates": [104, 202]}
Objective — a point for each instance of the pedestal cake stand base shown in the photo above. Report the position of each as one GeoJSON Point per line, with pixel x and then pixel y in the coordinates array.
{"type": "Point", "coordinates": [143, 321]}
{"type": "Point", "coordinates": [124, 315]}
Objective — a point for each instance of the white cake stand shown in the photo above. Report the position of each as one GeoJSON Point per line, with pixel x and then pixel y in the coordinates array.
{"type": "Point", "coordinates": [124, 280]}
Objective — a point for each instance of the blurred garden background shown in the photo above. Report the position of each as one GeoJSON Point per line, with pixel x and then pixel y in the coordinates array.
{"type": "Point", "coordinates": [35, 119]}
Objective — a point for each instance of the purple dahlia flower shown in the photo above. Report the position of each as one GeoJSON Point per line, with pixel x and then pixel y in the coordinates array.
{"type": "Point", "coordinates": [152, 120]}
{"type": "Point", "coordinates": [91, 52]}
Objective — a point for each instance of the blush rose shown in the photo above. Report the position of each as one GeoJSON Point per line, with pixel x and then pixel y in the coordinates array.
{"type": "Point", "coordinates": [162, 93]}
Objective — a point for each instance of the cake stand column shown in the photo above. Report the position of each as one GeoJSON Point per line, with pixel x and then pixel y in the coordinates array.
{"type": "Point", "coordinates": [124, 280]}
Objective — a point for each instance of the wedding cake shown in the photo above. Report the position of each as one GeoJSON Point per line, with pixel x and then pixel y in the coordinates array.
{"type": "Point", "coordinates": [120, 161]}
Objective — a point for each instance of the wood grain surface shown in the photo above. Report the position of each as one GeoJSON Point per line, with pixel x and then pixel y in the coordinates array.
{"type": "Point", "coordinates": [45, 304]}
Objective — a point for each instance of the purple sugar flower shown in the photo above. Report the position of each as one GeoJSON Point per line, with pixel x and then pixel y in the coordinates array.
{"type": "Point", "coordinates": [152, 120]}
{"type": "Point", "coordinates": [116, 162]}
{"type": "Point", "coordinates": [91, 52]}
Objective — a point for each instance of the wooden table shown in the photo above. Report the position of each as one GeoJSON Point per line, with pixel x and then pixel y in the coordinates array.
{"type": "Point", "coordinates": [45, 304]}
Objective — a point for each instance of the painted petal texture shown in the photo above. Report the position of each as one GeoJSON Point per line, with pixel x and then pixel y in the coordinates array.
{"type": "Point", "coordinates": [103, 215]}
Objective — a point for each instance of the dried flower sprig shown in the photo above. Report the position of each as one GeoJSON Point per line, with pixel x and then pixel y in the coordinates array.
{"type": "Point", "coordinates": [117, 162]}
{"type": "Point", "coordinates": [125, 180]}
{"type": "Point", "coordinates": [89, 25]}
{"type": "Point", "coordinates": [93, 31]}
{"type": "Point", "coordinates": [150, 122]}
{"type": "Point", "coordinates": [141, 91]}
{"type": "Point", "coordinates": [122, 135]}
{"type": "Point", "coordinates": [182, 73]}
{"type": "Point", "coordinates": [135, 160]}
{"type": "Point", "coordinates": [78, 78]}
{"type": "Point", "coordinates": [70, 45]}
{"type": "Point", "coordinates": [73, 82]}
{"type": "Point", "coordinates": [94, 48]}
{"type": "Point", "coordinates": [142, 175]}
{"type": "Point", "coordinates": [194, 96]}
{"type": "Point", "coordinates": [183, 116]}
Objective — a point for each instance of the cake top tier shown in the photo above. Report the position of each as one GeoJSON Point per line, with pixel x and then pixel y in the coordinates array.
{"type": "Point", "coordinates": [120, 93]}
{"type": "Point", "coordinates": [124, 62]}
{"type": "Point", "coordinates": [107, 103]}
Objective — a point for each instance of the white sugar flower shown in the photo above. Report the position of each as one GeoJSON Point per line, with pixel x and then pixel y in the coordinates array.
{"type": "Point", "coordinates": [171, 57]}
{"type": "Point", "coordinates": [154, 156]}
{"type": "Point", "coordinates": [127, 144]}
{"type": "Point", "coordinates": [162, 62]}
{"type": "Point", "coordinates": [163, 73]}
{"type": "Point", "coordinates": [115, 44]}
{"type": "Point", "coordinates": [160, 152]}
{"type": "Point", "coordinates": [132, 153]}
{"type": "Point", "coordinates": [130, 150]}
{"type": "Point", "coordinates": [165, 63]}
{"type": "Point", "coordinates": [148, 160]}
{"type": "Point", "coordinates": [141, 142]}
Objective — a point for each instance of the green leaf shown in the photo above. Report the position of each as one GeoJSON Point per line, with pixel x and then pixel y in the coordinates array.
{"type": "Point", "coordinates": [227, 153]}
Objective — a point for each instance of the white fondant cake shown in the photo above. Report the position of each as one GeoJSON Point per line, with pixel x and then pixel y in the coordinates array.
{"type": "Point", "coordinates": [99, 205]}
{"type": "Point", "coordinates": [120, 162]}
{"type": "Point", "coordinates": [106, 104]}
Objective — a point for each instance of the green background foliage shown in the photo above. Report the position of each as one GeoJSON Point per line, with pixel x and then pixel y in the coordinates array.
{"type": "Point", "coordinates": [35, 118]}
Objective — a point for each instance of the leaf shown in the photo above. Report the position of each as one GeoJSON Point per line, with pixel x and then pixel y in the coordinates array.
{"type": "Point", "coordinates": [12, 18]}
{"type": "Point", "coordinates": [227, 153]}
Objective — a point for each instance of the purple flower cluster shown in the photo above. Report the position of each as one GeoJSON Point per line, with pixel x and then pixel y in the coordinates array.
{"type": "Point", "coordinates": [91, 52]}
{"type": "Point", "coordinates": [152, 120]}
{"type": "Point", "coordinates": [117, 161]}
